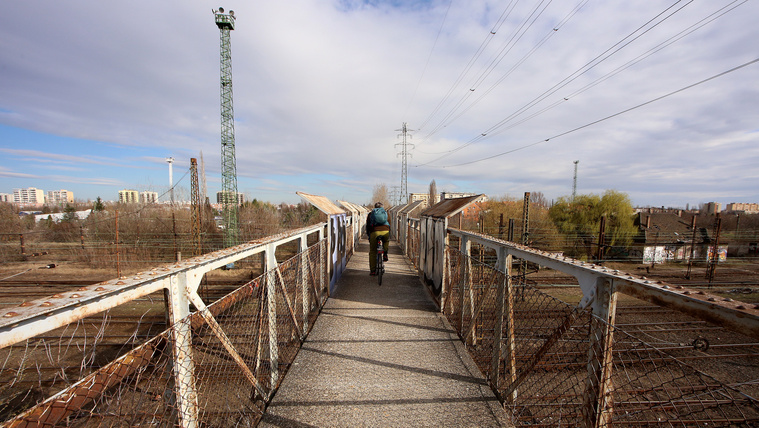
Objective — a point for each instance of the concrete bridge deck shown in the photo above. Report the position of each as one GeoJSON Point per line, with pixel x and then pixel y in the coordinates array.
{"type": "Point", "coordinates": [383, 356]}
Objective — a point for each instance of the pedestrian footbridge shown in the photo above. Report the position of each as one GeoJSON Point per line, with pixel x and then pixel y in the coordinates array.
{"type": "Point", "coordinates": [383, 356]}
{"type": "Point", "coordinates": [453, 337]}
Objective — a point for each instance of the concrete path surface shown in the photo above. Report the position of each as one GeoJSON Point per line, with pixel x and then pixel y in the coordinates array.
{"type": "Point", "coordinates": [382, 356]}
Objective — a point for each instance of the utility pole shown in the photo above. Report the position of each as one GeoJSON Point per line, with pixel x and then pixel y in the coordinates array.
{"type": "Point", "coordinates": [195, 206]}
{"type": "Point", "coordinates": [525, 235]}
{"type": "Point", "coordinates": [601, 239]}
{"type": "Point", "coordinates": [574, 182]}
{"type": "Point", "coordinates": [170, 161]}
{"type": "Point", "coordinates": [404, 154]}
{"type": "Point", "coordinates": [692, 246]}
{"type": "Point", "coordinates": [226, 23]}
{"type": "Point", "coordinates": [714, 259]}
{"type": "Point", "coordinates": [203, 187]}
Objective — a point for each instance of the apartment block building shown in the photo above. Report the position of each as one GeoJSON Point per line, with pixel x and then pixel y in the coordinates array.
{"type": "Point", "coordinates": [712, 208]}
{"type": "Point", "coordinates": [128, 196]}
{"type": "Point", "coordinates": [413, 197]}
{"type": "Point", "coordinates": [60, 197]}
{"type": "Point", "coordinates": [220, 198]}
{"type": "Point", "coordinates": [752, 208]}
{"type": "Point", "coordinates": [148, 197]}
{"type": "Point", "coordinates": [29, 196]}
{"type": "Point", "coordinates": [6, 197]}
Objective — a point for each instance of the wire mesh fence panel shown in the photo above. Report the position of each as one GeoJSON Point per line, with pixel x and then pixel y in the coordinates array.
{"type": "Point", "coordinates": [349, 247]}
{"type": "Point", "coordinates": [37, 368]}
{"type": "Point", "coordinates": [212, 368]}
{"type": "Point", "coordinates": [552, 370]}
{"type": "Point", "coordinates": [412, 252]}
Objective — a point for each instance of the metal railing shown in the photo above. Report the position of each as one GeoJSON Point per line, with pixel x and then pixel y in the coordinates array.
{"type": "Point", "coordinates": [92, 357]}
{"type": "Point", "coordinates": [556, 364]}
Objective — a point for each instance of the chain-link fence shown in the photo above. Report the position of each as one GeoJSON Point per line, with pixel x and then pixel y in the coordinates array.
{"type": "Point", "coordinates": [557, 365]}
{"type": "Point", "coordinates": [413, 234]}
{"type": "Point", "coordinates": [216, 367]}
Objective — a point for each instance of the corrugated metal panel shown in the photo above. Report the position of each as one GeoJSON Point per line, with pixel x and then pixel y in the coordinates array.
{"type": "Point", "coordinates": [412, 206]}
{"type": "Point", "coordinates": [354, 207]}
{"type": "Point", "coordinates": [323, 204]}
{"type": "Point", "coordinates": [450, 207]}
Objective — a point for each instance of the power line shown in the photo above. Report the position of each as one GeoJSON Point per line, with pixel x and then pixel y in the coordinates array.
{"type": "Point", "coordinates": [677, 37]}
{"type": "Point", "coordinates": [607, 117]}
{"type": "Point", "coordinates": [517, 35]}
{"type": "Point", "coordinates": [426, 64]}
{"type": "Point", "coordinates": [617, 47]}
{"type": "Point", "coordinates": [483, 45]}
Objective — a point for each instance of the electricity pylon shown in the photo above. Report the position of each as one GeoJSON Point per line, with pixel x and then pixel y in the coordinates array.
{"type": "Point", "coordinates": [226, 23]}
{"type": "Point", "coordinates": [404, 154]}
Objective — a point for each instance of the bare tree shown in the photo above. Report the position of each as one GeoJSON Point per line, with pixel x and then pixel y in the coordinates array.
{"type": "Point", "coordinates": [538, 198]}
{"type": "Point", "coordinates": [381, 194]}
{"type": "Point", "coordinates": [433, 193]}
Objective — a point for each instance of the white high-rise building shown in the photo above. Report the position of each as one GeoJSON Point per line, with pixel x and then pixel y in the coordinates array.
{"type": "Point", "coordinates": [127, 196]}
{"type": "Point", "coordinates": [148, 197]}
{"type": "Point", "coordinates": [60, 197]}
{"type": "Point", "coordinates": [29, 196]}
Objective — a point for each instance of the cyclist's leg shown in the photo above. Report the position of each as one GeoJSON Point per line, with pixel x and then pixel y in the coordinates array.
{"type": "Point", "coordinates": [386, 242]}
{"type": "Point", "coordinates": [373, 251]}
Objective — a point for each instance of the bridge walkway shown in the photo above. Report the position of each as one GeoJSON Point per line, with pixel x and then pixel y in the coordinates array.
{"type": "Point", "coordinates": [383, 356]}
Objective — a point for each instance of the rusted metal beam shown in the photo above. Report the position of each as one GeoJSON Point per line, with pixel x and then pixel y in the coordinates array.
{"type": "Point", "coordinates": [532, 363]}
{"type": "Point", "coordinates": [289, 305]}
{"type": "Point", "coordinates": [56, 408]}
{"type": "Point", "coordinates": [216, 328]}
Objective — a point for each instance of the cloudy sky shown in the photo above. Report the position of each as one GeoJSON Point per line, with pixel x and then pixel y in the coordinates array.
{"type": "Point", "coordinates": [658, 99]}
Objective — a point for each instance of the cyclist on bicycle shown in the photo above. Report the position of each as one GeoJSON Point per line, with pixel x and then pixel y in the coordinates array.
{"type": "Point", "coordinates": [377, 227]}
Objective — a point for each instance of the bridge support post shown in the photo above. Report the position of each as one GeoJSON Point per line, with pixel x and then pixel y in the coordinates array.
{"type": "Point", "coordinates": [324, 263]}
{"type": "Point", "coordinates": [271, 304]}
{"type": "Point", "coordinates": [465, 247]}
{"type": "Point", "coordinates": [597, 405]}
{"type": "Point", "coordinates": [303, 248]}
{"type": "Point", "coordinates": [181, 332]}
{"type": "Point", "coordinates": [505, 298]}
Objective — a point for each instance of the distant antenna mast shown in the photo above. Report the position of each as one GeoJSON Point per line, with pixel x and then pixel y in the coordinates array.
{"type": "Point", "coordinates": [574, 182]}
{"type": "Point", "coordinates": [203, 188]}
{"type": "Point", "coordinates": [226, 23]}
{"type": "Point", "coordinates": [404, 154]}
{"type": "Point", "coordinates": [170, 161]}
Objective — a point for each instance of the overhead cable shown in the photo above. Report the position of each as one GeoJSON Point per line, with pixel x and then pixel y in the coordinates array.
{"type": "Point", "coordinates": [424, 70]}
{"type": "Point", "coordinates": [617, 47]}
{"type": "Point", "coordinates": [605, 118]}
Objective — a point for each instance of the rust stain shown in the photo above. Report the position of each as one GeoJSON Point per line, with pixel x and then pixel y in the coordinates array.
{"type": "Point", "coordinates": [449, 207]}
{"type": "Point", "coordinates": [55, 410]}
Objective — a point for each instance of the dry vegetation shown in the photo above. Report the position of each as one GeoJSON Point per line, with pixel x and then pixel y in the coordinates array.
{"type": "Point", "coordinates": [125, 239]}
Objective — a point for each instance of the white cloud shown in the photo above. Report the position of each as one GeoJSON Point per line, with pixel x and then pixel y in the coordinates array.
{"type": "Point", "coordinates": [320, 88]}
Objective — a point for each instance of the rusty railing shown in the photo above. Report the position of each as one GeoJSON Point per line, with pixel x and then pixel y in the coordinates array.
{"type": "Point", "coordinates": [101, 356]}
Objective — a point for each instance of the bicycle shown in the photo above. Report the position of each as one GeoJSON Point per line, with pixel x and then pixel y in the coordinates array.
{"type": "Point", "coordinates": [380, 259]}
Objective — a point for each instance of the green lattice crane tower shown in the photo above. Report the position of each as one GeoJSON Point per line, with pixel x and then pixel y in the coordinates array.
{"type": "Point", "coordinates": [226, 23]}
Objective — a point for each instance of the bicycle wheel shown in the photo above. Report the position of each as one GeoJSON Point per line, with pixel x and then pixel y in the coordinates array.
{"type": "Point", "coordinates": [380, 268]}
